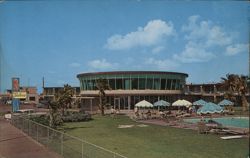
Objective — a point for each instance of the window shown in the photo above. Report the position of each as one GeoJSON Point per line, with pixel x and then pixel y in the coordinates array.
{"type": "Point", "coordinates": [169, 84]}
{"type": "Point", "coordinates": [134, 83]}
{"type": "Point", "coordinates": [127, 83]}
{"type": "Point", "coordinates": [163, 84]}
{"type": "Point", "coordinates": [156, 83]}
{"type": "Point", "coordinates": [112, 84]}
{"type": "Point", "coordinates": [149, 83]}
{"type": "Point", "coordinates": [173, 84]}
{"type": "Point", "coordinates": [119, 84]}
{"type": "Point", "coordinates": [141, 83]}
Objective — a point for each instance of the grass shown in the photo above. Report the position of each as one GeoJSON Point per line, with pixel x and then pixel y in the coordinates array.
{"type": "Point", "coordinates": [155, 141]}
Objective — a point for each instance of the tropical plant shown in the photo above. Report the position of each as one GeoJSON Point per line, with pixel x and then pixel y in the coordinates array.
{"type": "Point", "coordinates": [64, 97]}
{"type": "Point", "coordinates": [102, 85]}
{"type": "Point", "coordinates": [236, 85]}
{"type": "Point", "coordinates": [55, 118]}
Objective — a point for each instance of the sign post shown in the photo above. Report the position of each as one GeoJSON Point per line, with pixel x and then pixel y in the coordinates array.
{"type": "Point", "coordinates": [15, 89]}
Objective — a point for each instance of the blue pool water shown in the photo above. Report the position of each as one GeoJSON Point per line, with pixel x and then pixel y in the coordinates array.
{"type": "Point", "coordinates": [241, 122]}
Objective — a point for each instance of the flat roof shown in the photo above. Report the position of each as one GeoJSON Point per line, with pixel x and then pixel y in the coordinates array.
{"type": "Point", "coordinates": [128, 72]}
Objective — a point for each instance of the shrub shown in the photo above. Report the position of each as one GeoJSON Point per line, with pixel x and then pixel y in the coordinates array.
{"type": "Point", "coordinates": [76, 117]}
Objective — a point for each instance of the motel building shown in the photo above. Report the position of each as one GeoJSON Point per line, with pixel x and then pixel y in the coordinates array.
{"type": "Point", "coordinates": [130, 87]}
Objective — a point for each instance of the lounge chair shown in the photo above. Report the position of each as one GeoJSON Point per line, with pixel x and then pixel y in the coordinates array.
{"type": "Point", "coordinates": [202, 128]}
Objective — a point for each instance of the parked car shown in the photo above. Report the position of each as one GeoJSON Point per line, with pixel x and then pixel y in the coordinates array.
{"type": "Point", "coordinates": [9, 102]}
{"type": "Point", "coordinates": [19, 112]}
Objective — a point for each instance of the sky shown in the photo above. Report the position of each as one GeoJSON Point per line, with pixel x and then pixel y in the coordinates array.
{"type": "Point", "coordinates": [59, 39]}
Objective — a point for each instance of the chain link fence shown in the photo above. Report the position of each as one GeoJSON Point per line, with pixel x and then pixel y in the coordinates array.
{"type": "Point", "coordinates": [64, 144]}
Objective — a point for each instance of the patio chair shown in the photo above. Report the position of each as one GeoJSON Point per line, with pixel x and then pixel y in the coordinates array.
{"type": "Point", "coordinates": [202, 128]}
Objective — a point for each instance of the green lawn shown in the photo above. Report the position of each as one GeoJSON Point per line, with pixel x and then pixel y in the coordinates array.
{"type": "Point", "coordinates": [155, 141]}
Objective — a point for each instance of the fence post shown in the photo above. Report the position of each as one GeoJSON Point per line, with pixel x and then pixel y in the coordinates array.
{"type": "Point", "coordinates": [23, 125]}
{"type": "Point", "coordinates": [82, 149]}
{"type": "Point", "coordinates": [48, 137]}
{"type": "Point", "coordinates": [62, 144]}
{"type": "Point", "coordinates": [36, 132]}
{"type": "Point", "coordinates": [28, 127]}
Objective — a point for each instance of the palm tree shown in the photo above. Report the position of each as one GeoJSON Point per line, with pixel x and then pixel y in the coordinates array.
{"type": "Point", "coordinates": [64, 97]}
{"type": "Point", "coordinates": [55, 118]}
{"type": "Point", "coordinates": [235, 84]}
{"type": "Point", "coordinates": [102, 85]}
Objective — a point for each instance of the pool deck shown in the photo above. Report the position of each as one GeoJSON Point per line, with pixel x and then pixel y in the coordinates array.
{"type": "Point", "coordinates": [193, 126]}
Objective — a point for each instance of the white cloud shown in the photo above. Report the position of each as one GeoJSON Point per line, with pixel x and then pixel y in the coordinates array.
{"type": "Point", "coordinates": [236, 49]}
{"type": "Point", "coordinates": [74, 64]}
{"type": "Point", "coordinates": [206, 32]}
{"type": "Point", "coordinates": [202, 37]}
{"type": "Point", "coordinates": [194, 53]}
{"type": "Point", "coordinates": [149, 35]}
{"type": "Point", "coordinates": [157, 49]}
{"type": "Point", "coordinates": [162, 64]}
{"type": "Point", "coordinates": [101, 64]}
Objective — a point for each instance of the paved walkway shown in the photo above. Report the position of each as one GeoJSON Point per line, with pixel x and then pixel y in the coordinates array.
{"type": "Point", "coordinates": [15, 144]}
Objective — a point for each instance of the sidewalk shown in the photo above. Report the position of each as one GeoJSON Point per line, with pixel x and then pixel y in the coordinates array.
{"type": "Point", "coordinates": [15, 144]}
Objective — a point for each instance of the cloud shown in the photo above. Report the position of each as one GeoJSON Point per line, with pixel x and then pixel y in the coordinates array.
{"type": "Point", "coordinates": [201, 37]}
{"type": "Point", "coordinates": [206, 32]}
{"type": "Point", "coordinates": [150, 35]}
{"type": "Point", "coordinates": [157, 49]}
{"type": "Point", "coordinates": [236, 49]}
{"type": "Point", "coordinates": [162, 64]}
{"type": "Point", "coordinates": [74, 64]}
{"type": "Point", "coordinates": [101, 64]}
{"type": "Point", "coordinates": [193, 53]}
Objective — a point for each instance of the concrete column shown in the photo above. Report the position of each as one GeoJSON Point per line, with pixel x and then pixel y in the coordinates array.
{"type": "Point", "coordinates": [129, 102]}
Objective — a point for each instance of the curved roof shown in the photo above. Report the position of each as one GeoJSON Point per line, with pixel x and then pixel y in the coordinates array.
{"type": "Point", "coordinates": [128, 72]}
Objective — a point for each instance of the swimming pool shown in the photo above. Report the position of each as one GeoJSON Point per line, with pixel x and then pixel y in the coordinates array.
{"type": "Point", "coordinates": [240, 122]}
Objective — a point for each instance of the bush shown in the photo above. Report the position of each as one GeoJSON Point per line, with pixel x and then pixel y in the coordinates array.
{"type": "Point", "coordinates": [43, 119]}
{"type": "Point", "coordinates": [76, 117]}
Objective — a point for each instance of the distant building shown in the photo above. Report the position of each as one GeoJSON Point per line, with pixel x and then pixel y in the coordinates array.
{"type": "Point", "coordinates": [49, 93]}
{"type": "Point", "coordinates": [31, 94]}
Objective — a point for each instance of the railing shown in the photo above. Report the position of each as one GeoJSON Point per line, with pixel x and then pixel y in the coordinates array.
{"type": "Point", "coordinates": [62, 143]}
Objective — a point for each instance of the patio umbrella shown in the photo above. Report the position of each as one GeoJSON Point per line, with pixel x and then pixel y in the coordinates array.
{"type": "Point", "coordinates": [210, 108]}
{"type": "Point", "coordinates": [144, 104]}
{"type": "Point", "coordinates": [225, 102]}
{"type": "Point", "coordinates": [200, 102]}
{"type": "Point", "coordinates": [161, 103]}
{"type": "Point", "coordinates": [182, 102]}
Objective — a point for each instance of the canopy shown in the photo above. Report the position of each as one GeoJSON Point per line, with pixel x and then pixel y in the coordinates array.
{"type": "Point", "coordinates": [182, 102]}
{"type": "Point", "coordinates": [200, 102]}
{"type": "Point", "coordinates": [226, 102]}
{"type": "Point", "coordinates": [210, 108]}
{"type": "Point", "coordinates": [143, 103]}
{"type": "Point", "coordinates": [161, 103]}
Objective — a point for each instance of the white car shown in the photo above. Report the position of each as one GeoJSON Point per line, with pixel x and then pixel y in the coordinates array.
{"type": "Point", "coordinates": [7, 116]}
{"type": "Point", "coordinates": [18, 112]}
